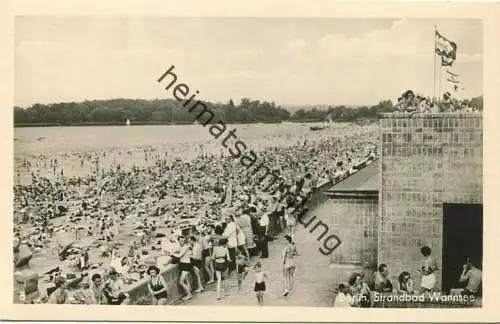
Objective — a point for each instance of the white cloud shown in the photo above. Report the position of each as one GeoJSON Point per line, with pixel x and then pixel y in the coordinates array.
{"type": "Point", "coordinates": [400, 40]}
{"type": "Point", "coordinates": [295, 46]}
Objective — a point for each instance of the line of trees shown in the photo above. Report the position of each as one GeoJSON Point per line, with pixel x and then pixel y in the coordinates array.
{"type": "Point", "coordinates": [140, 111]}
{"type": "Point", "coordinates": [170, 111]}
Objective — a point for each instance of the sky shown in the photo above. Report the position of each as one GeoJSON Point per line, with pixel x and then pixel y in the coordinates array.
{"type": "Point", "coordinates": [306, 61]}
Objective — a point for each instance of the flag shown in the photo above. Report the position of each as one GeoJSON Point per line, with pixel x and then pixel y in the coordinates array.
{"type": "Point", "coordinates": [447, 61]}
{"type": "Point", "coordinates": [446, 49]}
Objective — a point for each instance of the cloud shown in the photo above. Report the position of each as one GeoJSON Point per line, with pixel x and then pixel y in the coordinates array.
{"type": "Point", "coordinates": [469, 58]}
{"type": "Point", "coordinates": [295, 46]}
{"type": "Point", "coordinates": [247, 52]}
{"type": "Point", "coordinates": [404, 39]}
{"type": "Point", "coordinates": [378, 44]}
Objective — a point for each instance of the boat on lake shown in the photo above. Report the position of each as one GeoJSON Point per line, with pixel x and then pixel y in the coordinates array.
{"type": "Point", "coordinates": [325, 125]}
{"type": "Point", "coordinates": [317, 128]}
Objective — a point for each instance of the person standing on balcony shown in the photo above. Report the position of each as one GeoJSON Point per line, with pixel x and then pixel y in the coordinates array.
{"type": "Point", "coordinates": [446, 104]}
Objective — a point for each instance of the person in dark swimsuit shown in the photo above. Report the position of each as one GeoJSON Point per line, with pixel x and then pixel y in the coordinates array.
{"type": "Point", "coordinates": [157, 286]}
{"type": "Point", "coordinates": [197, 261]}
{"type": "Point", "coordinates": [221, 258]}
{"type": "Point", "coordinates": [260, 283]}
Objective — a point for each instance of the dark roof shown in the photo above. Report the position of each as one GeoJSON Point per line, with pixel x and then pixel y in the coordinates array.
{"type": "Point", "coordinates": [365, 180]}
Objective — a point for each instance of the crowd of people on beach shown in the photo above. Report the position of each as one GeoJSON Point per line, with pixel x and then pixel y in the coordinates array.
{"type": "Point", "coordinates": [91, 237]}
{"type": "Point", "coordinates": [416, 103]}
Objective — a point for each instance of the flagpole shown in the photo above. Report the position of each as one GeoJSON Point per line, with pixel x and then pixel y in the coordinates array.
{"type": "Point", "coordinates": [434, 57]}
{"type": "Point", "coordinates": [439, 82]}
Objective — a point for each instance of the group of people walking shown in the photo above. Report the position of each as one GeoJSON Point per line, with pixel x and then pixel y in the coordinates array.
{"type": "Point", "coordinates": [221, 251]}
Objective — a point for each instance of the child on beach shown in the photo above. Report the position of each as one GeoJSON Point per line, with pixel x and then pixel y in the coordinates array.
{"type": "Point", "coordinates": [241, 267]}
{"type": "Point", "coordinates": [260, 283]}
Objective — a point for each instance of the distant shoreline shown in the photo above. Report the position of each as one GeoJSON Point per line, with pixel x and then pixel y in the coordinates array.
{"type": "Point", "coordinates": [148, 123]}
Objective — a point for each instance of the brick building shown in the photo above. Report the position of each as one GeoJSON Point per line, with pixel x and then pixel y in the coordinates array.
{"type": "Point", "coordinates": [352, 215]}
{"type": "Point", "coordinates": [431, 192]}
{"type": "Point", "coordinates": [427, 191]}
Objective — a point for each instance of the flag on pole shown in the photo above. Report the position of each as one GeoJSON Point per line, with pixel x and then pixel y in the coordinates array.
{"type": "Point", "coordinates": [446, 49]}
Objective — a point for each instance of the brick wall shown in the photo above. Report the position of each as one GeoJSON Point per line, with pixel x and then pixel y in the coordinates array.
{"type": "Point", "coordinates": [354, 221]}
{"type": "Point", "coordinates": [427, 160]}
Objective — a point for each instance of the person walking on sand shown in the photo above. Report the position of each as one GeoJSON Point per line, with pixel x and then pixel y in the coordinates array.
{"type": "Point", "coordinates": [290, 221]}
{"type": "Point", "coordinates": [207, 254]}
{"type": "Point", "coordinates": [221, 262]}
{"type": "Point", "coordinates": [241, 267]}
{"type": "Point", "coordinates": [185, 267]}
{"type": "Point", "coordinates": [260, 283]}
{"type": "Point", "coordinates": [197, 261]}
{"type": "Point", "coordinates": [289, 253]}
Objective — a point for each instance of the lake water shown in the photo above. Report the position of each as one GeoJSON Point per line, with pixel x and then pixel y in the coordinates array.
{"type": "Point", "coordinates": [47, 140]}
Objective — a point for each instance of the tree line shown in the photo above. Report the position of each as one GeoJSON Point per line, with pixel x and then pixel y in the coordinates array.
{"type": "Point", "coordinates": [170, 111]}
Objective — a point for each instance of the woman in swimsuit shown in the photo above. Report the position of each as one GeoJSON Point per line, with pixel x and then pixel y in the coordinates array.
{"type": "Point", "coordinates": [290, 221]}
{"type": "Point", "coordinates": [185, 267]}
{"type": "Point", "coordinates": [157, 286]}
{"type": "Point", "coordinates": [206, 243]}
{"type": "Point", "coordinates": [221, 259]}
{"type": "Point", "coordinates": [289, 253]}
